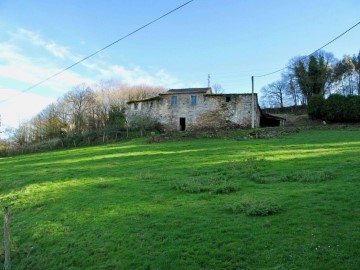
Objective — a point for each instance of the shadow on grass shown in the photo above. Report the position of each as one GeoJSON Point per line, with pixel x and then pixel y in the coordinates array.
{"type": "Point", "coordinates": [119, 210]}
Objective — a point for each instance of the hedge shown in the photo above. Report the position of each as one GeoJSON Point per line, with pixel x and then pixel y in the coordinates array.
{"type": "Point", "coordinates": [336, 108]}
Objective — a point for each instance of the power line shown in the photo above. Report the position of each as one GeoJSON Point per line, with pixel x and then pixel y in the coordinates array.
{"type": "Point", "coordinates": [331, 41]}
{"type": "Point", "coordinates": [102, 49]}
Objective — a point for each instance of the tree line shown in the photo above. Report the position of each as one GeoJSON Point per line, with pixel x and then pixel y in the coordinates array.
{"type": "Point", "coordinates": [318, 74]}
{"type": "Point", "coordinates": [84, 115]}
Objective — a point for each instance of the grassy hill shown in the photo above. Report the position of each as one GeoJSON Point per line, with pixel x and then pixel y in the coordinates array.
{"type": "Point", "coordinates": [290, 202]}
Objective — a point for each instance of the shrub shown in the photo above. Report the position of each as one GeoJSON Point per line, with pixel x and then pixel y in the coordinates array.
{"type": "Point", "coordinates": [334, 108]}
{"type": "Point", "coordinates": [300, 176]}
{"type": "Point", "coordinates": [214, 185]}
{"type": "Point", "coordinates": [315, 107]}
{"type": "Point", "coordinates": [252, 207]}
{"type": "Point", "coordinates": [308, 177]}
{"type": "Point", "coordinates": [352, 110]}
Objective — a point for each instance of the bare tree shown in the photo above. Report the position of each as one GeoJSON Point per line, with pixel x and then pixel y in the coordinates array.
{"type": "Point", "coordinates": [80, 99]}
{"type": "Point", "coordinates": [346, 75]}
{"type": "Point", "coordinates": [139, 92]}
{"type": "Point", "coordinates": [275, 93]}
{"type": "Point", "coordinates": [217, 88]}
{"type": "Point", "coordinates": [84, 112]}
{"type": "Point", "coordinates": [293, 92]}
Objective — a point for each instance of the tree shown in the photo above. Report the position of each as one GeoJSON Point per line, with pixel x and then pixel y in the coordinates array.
{"type": "Point", "coordinates": [313, 74]}
{"type": "Point", "coordinates": [334, 108]}
{"type": "Point", "coordinates": [315, 107]}
{"type": "Point", "coordinates": [139, 92]}
{"type": "Point", "coordinates": [275, 93]}
{"type": "Point", "coordinates": [140, 121]}
{"type": "Point", "coordinates": [217, 88]}
{"type": "Point", "coordinates": [356, 61]}
{"type": "Point", "coordinates": [345, 75]}
{"type": "Point", "coordinates": [293, 91]}
{"type": "Point", "coordinates": [80, 99]}
{"type": "Point", "coordinates": [116, 116]}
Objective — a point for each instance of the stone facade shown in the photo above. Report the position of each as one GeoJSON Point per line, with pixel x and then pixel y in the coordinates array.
{"type": "Point", "coordinates": [198, 109]}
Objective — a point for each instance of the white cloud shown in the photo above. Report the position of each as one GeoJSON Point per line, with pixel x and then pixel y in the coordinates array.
{"type": "Point", "coordinates": [137, 75]}
{"type": "Point", "coordinates": [18, 66]}
{"type": "Point", "coordinates": [20, 107]}
{"type": "Point", "coordinates": [55, 49]}
{"type": "Point", "coordinates": [21, 68]}
{"type": "Point", "coordinates": [131, 76]}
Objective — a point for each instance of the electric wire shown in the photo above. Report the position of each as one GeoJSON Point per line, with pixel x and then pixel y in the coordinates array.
{"type": "Point", "coordinates": [331, 41]}
{"type": "Point", "coordinates": [102, 49]}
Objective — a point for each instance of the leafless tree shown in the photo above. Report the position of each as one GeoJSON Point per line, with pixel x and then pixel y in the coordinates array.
{"type": "Point", "coordinates": [275, 93]}
{"type": "Point", "coordinates": [217, 88]}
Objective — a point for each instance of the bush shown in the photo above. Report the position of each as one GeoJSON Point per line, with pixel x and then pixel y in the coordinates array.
{"type": "Point", "coordinates": [251, 207]}
{"type": "Point", "coordinates": [308, 177]}
{"type": "Point", "coordinates": [352, 110]}
{"type": "Point", "coordinates": [315, 107]}
{"type": "Point", "coordinates": [334, 108]}
{"type": "Point", "coordinates": [212, 185]}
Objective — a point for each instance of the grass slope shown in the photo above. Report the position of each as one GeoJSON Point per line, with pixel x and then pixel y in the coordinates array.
{"type": "Point", "coordinates": [284, 203]}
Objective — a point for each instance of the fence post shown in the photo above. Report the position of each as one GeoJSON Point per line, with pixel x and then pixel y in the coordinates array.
{"type": "Point", "coordinates": [7, 244]}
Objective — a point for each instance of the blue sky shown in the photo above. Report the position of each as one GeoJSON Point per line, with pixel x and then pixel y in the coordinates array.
{"type": "Point", "coordinates": [229, 39]}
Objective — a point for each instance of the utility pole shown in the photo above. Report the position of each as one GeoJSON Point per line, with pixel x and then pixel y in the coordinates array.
{"type": "Point", "coordinates": [252, 103]}
{"type": "Point", "coordinates": [208, 80]}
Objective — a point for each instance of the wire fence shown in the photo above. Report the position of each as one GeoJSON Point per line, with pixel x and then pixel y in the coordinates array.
{"type": "Point", "coordinates": [11, 148]}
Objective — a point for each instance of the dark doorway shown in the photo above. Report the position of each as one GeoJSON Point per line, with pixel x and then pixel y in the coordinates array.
{"type": "Point", "coordinates": [182, 123]}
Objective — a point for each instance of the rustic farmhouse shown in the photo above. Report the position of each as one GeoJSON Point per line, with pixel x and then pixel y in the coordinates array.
{"type": "Point", "coordinates": [199, 108]}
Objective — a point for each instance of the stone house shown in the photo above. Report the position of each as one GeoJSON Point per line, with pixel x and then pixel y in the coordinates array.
{"type": "Point", "coordinates": [197, 109]}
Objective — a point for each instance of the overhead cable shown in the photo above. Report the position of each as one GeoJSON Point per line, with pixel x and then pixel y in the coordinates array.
{"type": "Point", "coordinates": [322, 47]}
{"type": "Point", "coordinates": [102, 49]}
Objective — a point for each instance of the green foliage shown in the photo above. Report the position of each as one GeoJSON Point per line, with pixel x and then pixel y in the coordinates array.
{"type": "Point", "coordinates": [352, 109]}
{"type": "Point", "coordinates": [312, 76]}
{"type": "Point", "coordinates": [334, 108]}
{"type": "Point", "coordinates": [116, 116]}
{"type": "Point", "coordinates": [141, 121]}
{"type": "Point", "coordinates": [315, 107]}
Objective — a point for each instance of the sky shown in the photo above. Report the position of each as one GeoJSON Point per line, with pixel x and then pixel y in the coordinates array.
{"type": "Point", "coordinates": [231, 40]}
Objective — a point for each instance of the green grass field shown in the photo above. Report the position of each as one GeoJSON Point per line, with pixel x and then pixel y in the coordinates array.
{"type": "Point", "coordinates": [291, 202]}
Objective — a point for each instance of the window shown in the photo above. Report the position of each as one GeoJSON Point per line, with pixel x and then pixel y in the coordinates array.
{"type": "Point", "coordinates": [227, 99]}
{"type": "Point", "coordinates": [174, 100]}
{"type": "Point", "coordinates": [193, 100]}
{"type": "Point", "coordinates": [136, 106]}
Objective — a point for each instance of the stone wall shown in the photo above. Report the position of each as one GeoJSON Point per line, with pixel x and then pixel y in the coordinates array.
{"type": "Point", "coordinates": [209, 112]}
